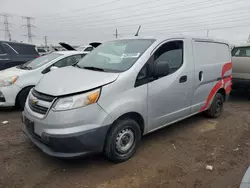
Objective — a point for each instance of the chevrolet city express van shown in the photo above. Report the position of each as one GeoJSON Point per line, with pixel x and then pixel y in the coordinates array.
{"type": "Point", "coordinates": [123, 90]}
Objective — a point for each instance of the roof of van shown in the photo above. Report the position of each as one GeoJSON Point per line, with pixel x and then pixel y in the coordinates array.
{"type": "Point", "coordinates": [164, 37]}
{"type": "Point", "coordinates": [11, 42]}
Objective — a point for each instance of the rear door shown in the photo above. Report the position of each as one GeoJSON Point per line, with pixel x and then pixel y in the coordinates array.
{"type": "Point", "coordinates": [210, 58]}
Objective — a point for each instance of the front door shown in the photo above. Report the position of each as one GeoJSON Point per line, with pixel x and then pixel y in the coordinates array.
{"type": "Point", "coordinates": [169, 97]}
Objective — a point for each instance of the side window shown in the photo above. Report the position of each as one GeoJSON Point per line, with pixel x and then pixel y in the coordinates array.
{"type": "Point", "coordinates": [170, 53]}
{"type": "Point", "coordinates": [241, 52]}
{"type": "Point", "coordinates": [24, 49]}
{"type": "Point", "coordinates": [68, 61]}
{"type": "Point", "coordinates": [2, 50]}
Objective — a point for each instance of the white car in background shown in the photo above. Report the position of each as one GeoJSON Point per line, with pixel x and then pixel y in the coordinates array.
{"type": "Point", "coordinates": [16, 82]}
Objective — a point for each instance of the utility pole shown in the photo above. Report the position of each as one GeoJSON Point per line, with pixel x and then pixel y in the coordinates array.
{"type": "Point", "coordinates": [29, 26]}
{"type": "Point", "coordinates": [248, 40]}
{"type": "Point", "coordinates": [207, 32]}
{"type": "Point", "coordinates": [6, 26]}
{"type": "Point", "coordinates": [46, 42]}
{"type": "Point", "coordinates": [116, 33]}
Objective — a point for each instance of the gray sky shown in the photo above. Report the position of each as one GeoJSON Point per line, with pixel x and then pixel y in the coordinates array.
{"type": "Point", "coordinates": [82, 21]}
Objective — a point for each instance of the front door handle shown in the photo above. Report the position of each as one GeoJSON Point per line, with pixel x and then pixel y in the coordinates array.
{"type": "Point", "coordinates": [183, 79]}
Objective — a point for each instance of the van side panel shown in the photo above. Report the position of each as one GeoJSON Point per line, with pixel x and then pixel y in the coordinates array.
{"type": "Point", "coordinates": [213, 69]}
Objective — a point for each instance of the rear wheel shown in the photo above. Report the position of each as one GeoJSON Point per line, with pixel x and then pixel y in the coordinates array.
{"type": "Point", "coordinates": [216, 107]}
{"type": "Point", "coordinates": [122, 140]}
{"type": "Point", "coordinates": [21, 98]}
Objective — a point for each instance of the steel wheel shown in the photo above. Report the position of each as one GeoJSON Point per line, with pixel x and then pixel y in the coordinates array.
{"type": "Point", "coordinates": [125, 140]}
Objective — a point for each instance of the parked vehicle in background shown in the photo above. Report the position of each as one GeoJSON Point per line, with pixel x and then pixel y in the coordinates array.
{"type": "Point", "coordinates": [86, 49]}
{"type": "Point", "coordinates": [42, 51]}
{"type": "Point", "coordinates": [14, 53]}
{"type": "Point", "coordinates": [16, 82]}
{"type": "Point", "coordinates": [125, 89]}
{"type": "Point", "coordinates": [241, 67]}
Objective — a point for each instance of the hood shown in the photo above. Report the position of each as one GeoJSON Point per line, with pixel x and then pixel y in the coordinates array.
{"type": "Point", "coordinates": [67, 46]}
{"type": "Point", "coordinates": [12, 72]}
{"type": "Point", "coordinates": [71, 80]}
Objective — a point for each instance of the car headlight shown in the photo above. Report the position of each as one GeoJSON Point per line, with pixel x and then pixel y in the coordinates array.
{"type": "Point", "coordinates": [76, 101]}
{"type": "Point", "coordinates": [8, 81]}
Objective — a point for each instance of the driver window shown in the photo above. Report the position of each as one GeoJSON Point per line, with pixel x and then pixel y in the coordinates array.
{"type": "Point", "coordinates": [172, 54]}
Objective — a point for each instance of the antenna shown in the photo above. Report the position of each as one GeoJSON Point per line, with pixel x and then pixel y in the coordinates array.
{"type": "Point", "coordinates": [138, 30]}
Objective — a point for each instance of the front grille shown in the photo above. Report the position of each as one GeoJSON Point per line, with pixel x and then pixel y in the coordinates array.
{"type": "Point", "coordinates": [36, 108]}
{"type": "Point", "coordinates": [42, 96]}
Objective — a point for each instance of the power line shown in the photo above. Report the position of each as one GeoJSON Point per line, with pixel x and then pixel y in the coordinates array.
{"type": "Point", "coordinates": [86, 8]}
{"type": "Point", "coordinates": [164, 14]}
{"type": "Point", "coordinates": [29, 26]}
{"type": "Point", "coordinates": [168, 11]}
{"type": "Point", "coordinates": [180, 20]}
{"type": "Point", "coordinates": [179, 4]}
{"type": "Point", "coordinates": [105, 11]}
{"type": "Point", "coordinates": [6, 24]}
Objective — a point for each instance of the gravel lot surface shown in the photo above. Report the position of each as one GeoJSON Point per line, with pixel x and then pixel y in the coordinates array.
{"type": "Point", "coordinates": [175, 156]}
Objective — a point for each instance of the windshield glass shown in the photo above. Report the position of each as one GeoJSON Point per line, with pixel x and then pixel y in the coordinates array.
{"type": "Point", "coordinates": [38, 62]}
{"type": "Point", "coordinates": [115, 56]}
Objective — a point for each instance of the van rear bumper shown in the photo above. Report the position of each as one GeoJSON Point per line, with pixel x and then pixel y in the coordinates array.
{"type": "Point", "coordinates": [71, 145]}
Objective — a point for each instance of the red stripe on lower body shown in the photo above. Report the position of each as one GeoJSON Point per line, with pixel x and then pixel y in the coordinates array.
{"type": "Point", "coordinates": [211, 94]}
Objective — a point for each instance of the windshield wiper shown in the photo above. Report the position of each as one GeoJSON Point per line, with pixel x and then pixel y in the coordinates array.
{"type": "Point", "coordinates": [94, 68]}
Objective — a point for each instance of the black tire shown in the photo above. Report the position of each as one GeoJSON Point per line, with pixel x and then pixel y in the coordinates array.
{"type": "Point", "coordinates": [216, 107]}
{"type": "Point", "coordinates": [21, 98]}
{"type": "Point", "coordinates": [116, 133]}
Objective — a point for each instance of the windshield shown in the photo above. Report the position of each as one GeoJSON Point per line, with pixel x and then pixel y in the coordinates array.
{"type": "Point", "coordinates": [115, 56]}
{"type": "Point", "coordinates": [38, 62]}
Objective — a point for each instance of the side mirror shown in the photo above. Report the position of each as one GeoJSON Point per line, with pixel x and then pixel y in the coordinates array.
{"type": "Point", "coordinates": [161, 69]}
{"type": "Point", "coordinates": [53, 68]}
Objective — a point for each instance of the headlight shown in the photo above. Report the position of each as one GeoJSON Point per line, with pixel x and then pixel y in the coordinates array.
{"type": "Point", "coordinates": [76, 101]}
{"type": "Point", "coordinates": [8, 81]}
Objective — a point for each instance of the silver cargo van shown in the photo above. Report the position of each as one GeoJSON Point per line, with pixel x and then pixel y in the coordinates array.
{"type": "Point", "coordinates": [125, 89]}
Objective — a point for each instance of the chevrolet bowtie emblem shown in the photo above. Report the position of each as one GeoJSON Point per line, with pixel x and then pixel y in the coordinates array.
{"type": "Point", "coordinates": [34, 101]}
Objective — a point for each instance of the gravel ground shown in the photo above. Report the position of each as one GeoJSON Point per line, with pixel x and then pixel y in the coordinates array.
{"type": "Point", "coordinates": [175, 156]}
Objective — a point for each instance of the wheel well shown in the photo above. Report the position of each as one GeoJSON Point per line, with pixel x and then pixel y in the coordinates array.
{"type": "Point", "coordinates": [223, 92]}
{"type": "Point", "coordinates": [135, 116]}
{"type": "Point", "coordinates": [21, 91]}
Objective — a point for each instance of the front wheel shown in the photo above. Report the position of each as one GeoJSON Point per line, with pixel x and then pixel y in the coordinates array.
{"type": "Point", "coordinates": [216, 107]}
{"type": "Point", "coordinates": [21, 98]}
{"type": "Point", "coordinates": [122, 140]}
